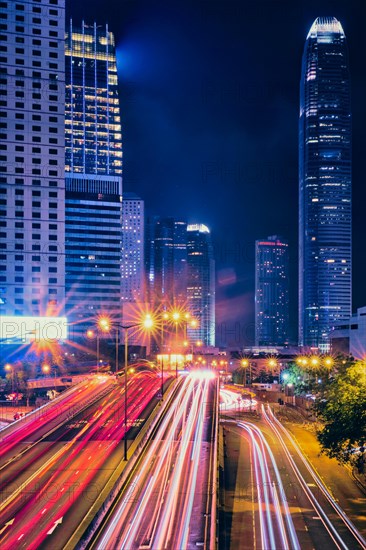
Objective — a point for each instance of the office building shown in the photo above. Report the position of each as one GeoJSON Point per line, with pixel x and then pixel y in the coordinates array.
{"type": "Point", "coordinates": [325, 238]}
{"type": "Point", "coordinates": [180, 262]}
{"type": "Point", "coordinates": [93, 176]}
{"type": "Point", "coordinates": [271, 292]}
{"type": "Point", "coordinates": [93, 248]}
{"type": "Point", "coordinates": [201, 283]}
{"type": "Point", "coordinates": [132, 266]}
{"type": "Point", "coordinates": [348, 337]}
{"type": "Point", "coordinates": [32, 137]}
{"type": "Point", "coordinates": [93, 125]}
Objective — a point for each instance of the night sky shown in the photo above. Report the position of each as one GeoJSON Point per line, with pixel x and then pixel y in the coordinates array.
{"type": "Point", "coordinates": [209, 94]}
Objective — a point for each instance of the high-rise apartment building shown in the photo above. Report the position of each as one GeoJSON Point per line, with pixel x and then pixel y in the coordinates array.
{"type": "Point", "coordinates": [133, 231]}
{"type": "Point", "coordinates": [271, 292]}
{"type": "Point", "coordinates": [201, 283]}
{"type": "Point", "coordinates": [93, 175]}
{"type": "Point", "coordinates": [325, 238]}
{"type": "Point", "coordinates": [32, 139]}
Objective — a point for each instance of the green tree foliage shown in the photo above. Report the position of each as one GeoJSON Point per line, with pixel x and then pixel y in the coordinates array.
{"type": "Point", "coordinates": [343, 412]}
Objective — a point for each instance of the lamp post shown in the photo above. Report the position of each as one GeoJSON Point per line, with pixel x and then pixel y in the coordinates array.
{"type": "Point", "coordinates": [164, 317]}
{"type": "Point", "coordinates": [46, 369]}
{"type": "Point", "coordinates": [105, 324]}
{"type": "Point", "coordinates": [90, 335]}
{"type": "Point", "coordinates": [245, 363]}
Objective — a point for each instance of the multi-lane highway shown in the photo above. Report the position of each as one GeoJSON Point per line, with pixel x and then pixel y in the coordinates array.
{"type": "Point", "coordinates": [53, 466]}
{"type": "Point", "coordinates": [279, 501]}
{"type": "Point", "coordinates": [341, 531]}
{"type": "Point", "coordinates": [169, 501]}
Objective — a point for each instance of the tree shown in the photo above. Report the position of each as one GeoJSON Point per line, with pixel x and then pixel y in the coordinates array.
{"type": "Point", "coordinates": [343, 411]}
{"type": "Point", "coordinates": [294, 375]}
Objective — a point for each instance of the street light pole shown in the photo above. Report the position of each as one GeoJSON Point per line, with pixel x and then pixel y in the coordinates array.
{"type": "Point", "coordinates": [117, 335]}
{"type": "Point", "coordinates": [126, 367]}
{"type": "Point", "coordinates": [97, 351]}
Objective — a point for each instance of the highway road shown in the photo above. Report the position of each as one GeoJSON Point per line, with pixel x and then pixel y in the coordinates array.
{"type": "Point", "coordinates": [165, 503]}
{"type": "Point", "coordinates": [48, 486]}
{"type": "Point", "coordinates": [273, 497]}
{"type": "Point", "coordinates": [342, 532]}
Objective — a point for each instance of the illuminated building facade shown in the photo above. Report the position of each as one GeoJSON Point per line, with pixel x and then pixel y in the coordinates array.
{"type": "Point", "coordinates": [92, 117]}
{"type": "Point", "coordinates": [93, 247]}
{"type": "Point", "coordinates": [32, 184]}
{"type": "Point", "coordinates": [271, 292]}
{"type": "Point", "coordinates": [348, 336]}
{"type": "Point", "coordinates": [180, 262]}
{"type": "Point", "coordinates": [201, 283]}
{"type": "Point", "coordinates": [93, 176]}
{"type": "Point", "coordinates": [325, 238]}
{"type": "Point", "coordinates": [166, 260]}
{"type": "Point", "coordinates": [132, 266]}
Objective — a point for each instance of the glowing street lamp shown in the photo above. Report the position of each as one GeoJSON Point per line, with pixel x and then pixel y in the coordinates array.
{"type": "Point", "coordinates": [104, 324]}
{"type": "Point", "coordinates": [175, 316]}
{"type": "Point", "coordinates": [329, 362]}
{"type": "Point", "coordinates": [46, 368]}
{"type": "Point", "coordinates": [244, 363]}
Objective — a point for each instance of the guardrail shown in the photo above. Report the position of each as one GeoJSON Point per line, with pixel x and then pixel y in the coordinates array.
{"type": "Point", "coordinates": [210, 539]}
{"type": "Point", "coordinates": [42, 411]}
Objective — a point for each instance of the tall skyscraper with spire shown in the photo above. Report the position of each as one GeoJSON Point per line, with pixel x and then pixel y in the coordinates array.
{"type": "Point", "coordinates": [325, 237]}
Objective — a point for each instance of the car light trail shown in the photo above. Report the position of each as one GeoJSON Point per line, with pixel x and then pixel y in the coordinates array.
{"type": "Point", "coordinates": [232, 401]}
{"type": "Point", "coordinates": [165, 486]}
{"type": "Point", "coordinates": [71, 468]}
{"type": "Point", "coordinates": [276, 526]}
{"type": "Point", "coordinates": [277, 427]}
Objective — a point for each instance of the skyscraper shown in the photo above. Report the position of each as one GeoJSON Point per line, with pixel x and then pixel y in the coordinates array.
{"type": "Point", "coordinates": [93, 124]}
{"type": "Point", "coordinates": [133, 231]}
{"type": "Point", "coordinates": [325, 238]}
{"type": "Point", "coordinates": [271, 292]}
{"type": "Point", "coordinates": [32, 184]}
{"type": "Point", "coordinates": [166, 261]}
{"type": "Point", "coordinates": [159, 260]}
{"type": "Point", "coordinates": [180, 262]}
{"type": "Point", "coordinates": [93, 175]}
{"type": "Point", "coordinates": [201, 282]}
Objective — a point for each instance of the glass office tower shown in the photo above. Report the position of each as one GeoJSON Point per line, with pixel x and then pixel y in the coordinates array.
{"type": "Point", "coordinates": [92, 116]}
{"type": "Point", "coordinates": [325, 238]}
{"type": "Point", "coordinates": [271, 292]}
{"type": "Point", "coordinates": [201, 283]}
{"type": "Point", "coordinates": [93, 157]}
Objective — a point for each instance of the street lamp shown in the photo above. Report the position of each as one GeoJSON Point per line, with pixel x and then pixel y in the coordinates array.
{"type": "Point", "coordinates": [328, 362]}
{"type": "Point", "coordinates": [46, 369]}
{"type": "Point", "coordinates": [245, 364]}
{"type": "Point", "coordinates": [90, 335]}
{"type": "Point", "coordinates": [105, 324]}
